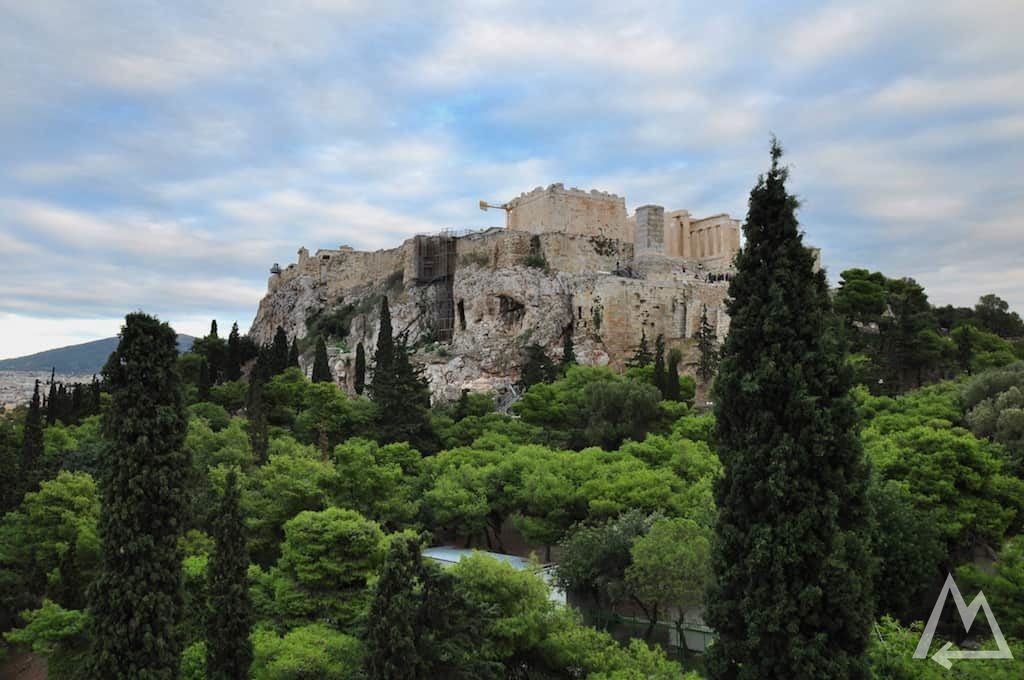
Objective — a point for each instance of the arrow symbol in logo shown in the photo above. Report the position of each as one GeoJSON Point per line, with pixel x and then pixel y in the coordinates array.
{"type": "Point", "coordinates": [945, 656]}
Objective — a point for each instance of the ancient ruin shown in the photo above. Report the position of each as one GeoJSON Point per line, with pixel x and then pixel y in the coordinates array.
{"type": "Point", "coordinates": [568, 261]}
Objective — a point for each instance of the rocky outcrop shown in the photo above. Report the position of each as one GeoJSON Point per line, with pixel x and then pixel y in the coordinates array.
{"type": "Point", "coordinates": [497, 294]}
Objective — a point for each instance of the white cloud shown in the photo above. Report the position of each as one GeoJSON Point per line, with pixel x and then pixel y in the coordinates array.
{"type": "Point", "coordinates": [164, 156]}
{"type": "Point", "coordinates": [834, 31]}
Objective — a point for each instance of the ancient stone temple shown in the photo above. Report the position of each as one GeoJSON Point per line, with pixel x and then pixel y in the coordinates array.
{"type": "Point", "coordinates": [567, 261]}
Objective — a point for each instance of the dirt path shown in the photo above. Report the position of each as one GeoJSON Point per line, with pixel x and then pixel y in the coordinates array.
{"type": "Point", "coordinates": [23, 667]}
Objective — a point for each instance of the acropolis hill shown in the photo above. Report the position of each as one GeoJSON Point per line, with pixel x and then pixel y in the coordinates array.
{"type": "Point", "coordinates": [568, 261]}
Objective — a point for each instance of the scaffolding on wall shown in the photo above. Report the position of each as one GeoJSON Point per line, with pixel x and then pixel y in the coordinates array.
{"type": "Point", "coordinates": [435, 261]}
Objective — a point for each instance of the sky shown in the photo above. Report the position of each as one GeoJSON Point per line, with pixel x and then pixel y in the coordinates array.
{"type": "Point", "coordinates": [161, 156]}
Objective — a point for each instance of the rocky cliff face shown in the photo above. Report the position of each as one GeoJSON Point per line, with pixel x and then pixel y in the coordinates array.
{"type": "Point", "coordinates": [500, 293]}
{"type": "Point", "coordinates": [497, 313]}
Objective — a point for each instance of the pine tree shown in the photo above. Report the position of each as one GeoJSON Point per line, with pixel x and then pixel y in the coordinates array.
{"type": "Point", "coordinates": [213, 330]}
{"type": "Point", "coordinates": [793, 595]}
{"type": "Point", "coordinates": [706, 336]}
{"type": "Point", "coordinates": [642, 357]}
{"type": "Point", "coordinates": [279, 352]}
{"type": "Point", "coordinates": [672, 391]}
{"type": "Point", "coordinates": [321, 367]}
{"type": "Point", "coordinates": [229, 621]}
{"type": "Point", "coordinates": [204, 380]}
{"type": "Point", "coordinates": [399, 389]}
{"type": "Point", "coordinates": [233, 359]}
{"type": "Point", "coordinates": [31, 465]}
{"type": "Point", "coordinates": [136, 598]}
{"type": "Point", "coordinates": [293, 354]}
{"type": "Point", "coordinates": [360, 376]}
{"type": "Point", "coordinates": [568, 350]}
{"type": "Point", "coordinates": [659, 365]}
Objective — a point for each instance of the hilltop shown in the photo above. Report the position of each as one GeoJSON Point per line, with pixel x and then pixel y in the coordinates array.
{"type": "Point", "coordinates": [84, 358]}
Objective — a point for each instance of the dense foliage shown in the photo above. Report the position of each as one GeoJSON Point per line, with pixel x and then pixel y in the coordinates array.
{"type": "Point", "coordinates": [136, 599]}
{"type": "Point", "coordinates": [291, 516]}
{"type": "Point", "coordinates": [792, 595]}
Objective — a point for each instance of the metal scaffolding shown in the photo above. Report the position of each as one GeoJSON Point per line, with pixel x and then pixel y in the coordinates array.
{"type": "Point", "coordinates": [435, 259]}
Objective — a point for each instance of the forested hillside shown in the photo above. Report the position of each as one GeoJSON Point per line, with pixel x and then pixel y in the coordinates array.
{"type": "Point", "coordinates": [219, 511]}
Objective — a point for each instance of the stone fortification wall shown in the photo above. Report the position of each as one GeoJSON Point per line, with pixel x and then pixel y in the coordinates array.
{"type": "Point", "coordinates": [572, 211]}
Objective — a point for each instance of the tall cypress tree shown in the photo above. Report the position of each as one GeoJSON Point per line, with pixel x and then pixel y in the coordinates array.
{"type": "Point", "coordinates": [360, 376]}
{"type": "Point", "coordinates": [10, 472]}
{"type": "Point", "coordinates": [279, 352]}
{"type": "Point", "coordinates": [256, 410]}
{"type": "Point", "coordinates": [321, 367]}
{"type": "Point", "coordinates": [419, 624]}
{"type": "Point", "coordinates": [399, 389]}
{"type": "Point", "coordinates": [568, 349]}
{"type": "Point", "coordinates": [659, 365]}
{"type": "Point", "coordinates": [537, 367]}
{"type": "Point", "coordinates": [31, 464]}
{"type": "Point", "coordinates": [136, 599]}
{"type": "Point", "coordinates": [672, 391]}
{"type": "Point", "coordinates": [293, 354]}
{"type": "Point", "coordinates": [642, 357]}
{"type": "Point", "coordinates": [204, 380]}
{"type": "Point", "coordinates": [793, 593]}
{"type": "Point", "coordinates": [233, 359]}
{"type": "Point", "coordinates": [229, 620]}
{"type": "Point", "coordinates": [708, 360]}
{"type": "Point", "coordinates": [216, 354]}
{"type": "Point", "coordinates": [52, 399]}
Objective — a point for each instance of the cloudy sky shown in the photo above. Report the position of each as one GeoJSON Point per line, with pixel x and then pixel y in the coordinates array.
{"type": "Point", "coordinates": [161, 156]}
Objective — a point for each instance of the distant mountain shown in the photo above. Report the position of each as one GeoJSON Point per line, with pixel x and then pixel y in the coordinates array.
{"type": "Point", "coordinates": [85, 358]}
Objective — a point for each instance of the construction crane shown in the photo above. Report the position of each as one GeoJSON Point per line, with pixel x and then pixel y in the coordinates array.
{"type": "Point", "coordinates": [484, 205]}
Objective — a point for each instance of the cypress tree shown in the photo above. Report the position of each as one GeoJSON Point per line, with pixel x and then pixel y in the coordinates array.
{"type": "Point", "coordinates": [399, 389]}
{"type": "Point", "coordinates": [672, 391]}
{"type": "Point", "coordinates": [321, 368]}
{"type": "Point", "coordinates": [95, 389]}
{"type": "Point", "coordinates": [233, 359]}
{"type": "Point", "coordinates": [215, 351]}
{"type": "Point", "coordinates": [420, 625]}
{"type": "Point", "coordinates": [642, 357]}
{"type": "Point", "coordinates": [31, 467]}
{"type": "Point", "coordinates": [568, 349]}
{"type": "Point", "coordinates": [77, 403]}
{"type": "Point", "coordinates": [293, 354]}
{"type": "Point", "coordinates": [706, 336]}
{"type": "Point", "coordinates": [228, 624]}
{"type": "Point", "coordinates": [793, 595]}
{"type": "Point", "coordinates": [279, 352]}
{"type": "Point", "coordinates": [259, 435]}
{"type": "Point", "coordinates": [67, 591]}
{"type": "Point", "coordinates": [10, 477]}
{"type": "Point", "coordinates": [52, 400]}
{"type": "Point", "coordinates": [204, 380]}
{"type": "Point", "coordinates": [360, 376]}
{"type": "Point", "coordinates": [136, 598]}
{"type": "Point", "coordinates": [659, 365]}
{"type": "Point", "coordinates": [537, 367]}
